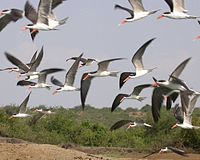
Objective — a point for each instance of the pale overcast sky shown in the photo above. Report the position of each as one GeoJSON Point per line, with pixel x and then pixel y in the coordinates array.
{"type": "Point", "coordinates": [93, 28]}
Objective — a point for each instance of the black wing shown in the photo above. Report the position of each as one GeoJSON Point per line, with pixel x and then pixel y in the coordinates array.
{"type": "Point", "coordinates": [118, 99]}
{"type": "Point", "coordinates": [85, 85]}
{"type": "Point", "coordinates": [119, 124]}
{"type": "Point", "coordinates": [178, 151]}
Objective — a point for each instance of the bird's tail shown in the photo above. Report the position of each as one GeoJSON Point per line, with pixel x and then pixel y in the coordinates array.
{"type": "Point", "coordinates": [63, 21]}
{"type": "Point", "coordinates": [193, 17]}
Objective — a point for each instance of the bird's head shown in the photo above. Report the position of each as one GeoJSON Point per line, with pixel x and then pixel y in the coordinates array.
{"type": "Point", "coordinates": [165, 14]}
{"type": "Point", "coordinates": [5, 11]}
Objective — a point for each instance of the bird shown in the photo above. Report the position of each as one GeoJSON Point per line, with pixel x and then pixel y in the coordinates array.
{"type": "Point", "coordinates": [22, 109]}
{"type": "Point", "coordinates": [134, 95]}
{"type": "Point", "coordinates": [43, 111]}
{"type": "Point", "coordinates": [159, 91]}
{"type": "Point", "coordinates": [85, 61]}
{"type": "Point", "coordinates": [16, 69]}
{"type": "Point", "coordinates": [198, 37]}
{"type": "Point", "coordinates": [168, 149]}
{"type": "Point", "coordinates": [41, 79]}
{"type": "Point", "coordinates": [28, 70]}
{"type": "Point", "coordinates": [69, 78]}
{"type": "Point", "coordinates": [138, 12]}
{"type": "Point", "coordinates": [102, 71]}
{"type": "Point", "coordinates": [17, 62]}
{"type": "Point", "coordinates": [43, 19]}
{"type": "Point", "coordinates": [10, 15]}
{"type": "Point", "coordinates": [131, 124]}
{"type": "Point", "coordinates": [177, 10]}
{"type": "Point", "coordinates": [32, 72]}
{"type": "Point", "coordinates": [188, 102]}
{"type": "Point", "coordinates": [138, 64]}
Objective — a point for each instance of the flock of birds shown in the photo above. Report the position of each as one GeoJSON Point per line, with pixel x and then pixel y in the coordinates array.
{"type": "Point", "coordinates": [163, 90]}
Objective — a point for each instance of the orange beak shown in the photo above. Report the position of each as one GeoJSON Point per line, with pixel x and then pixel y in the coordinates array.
{"type": "Point", "coordinates": [55, 93]}
{"type": "Point", "coordinates": [174, 126]}
{"type": "Point", "coordinates": [160, 17]}
{"type": "Point", "coordinates": [122, 99]}
{"type": "Point", "coordinates": [122, 22]}
{"type": "Point", "coordinates": [86, 77]}
{"type": "Point", "coordinates": [24, 28]}
{"type": "Point", "coordinates": [197, 38]}
{"type": "Point", "coordinates": [155, 85]}
{"type": "Point", "coordinates": [10, 117]}
{"type": "Point", "coordinates": [127, 79]}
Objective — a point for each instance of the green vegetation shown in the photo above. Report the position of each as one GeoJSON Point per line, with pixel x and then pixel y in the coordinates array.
{"type": "Point", "coordinates": [91, 128]}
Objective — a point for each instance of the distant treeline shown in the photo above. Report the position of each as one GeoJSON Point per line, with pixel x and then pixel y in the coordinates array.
{"type": "Point", "coordinates": [91, 128]}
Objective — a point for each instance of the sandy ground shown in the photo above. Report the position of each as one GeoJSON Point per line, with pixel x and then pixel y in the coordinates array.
{"type": "Point", "coordinates": [14, 149]}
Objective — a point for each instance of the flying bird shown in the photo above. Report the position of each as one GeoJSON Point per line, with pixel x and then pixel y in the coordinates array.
{"type": "Point", "coordinates": [28, 70]}
{"type": "Point", "coordinates": [138, 64]}
{"type": "Point", "coordinates": [32, 72]}
{"type": "Point", "coordinates": [9, 15]}
{"type": "Point", "coordinates": [177, 10]}
{"type": "Point", "coordinates": [43, 19]}
{"type": "Point", "coordinates": [134, 95]}
{"type": "Point", "coordinates": [12, 60]}
{"type": "Point", "coordinates": [85, 61]}
{"type": "Point", "coordinates": [41, 79]}
{"type": "Point", "coordinates": [69, 78]}
{"type": "Point", "coordinates": [43, 111]}
{"type": "Point", "coordinates": [137, 12]}
{"type": "Point", "coordinates": [22, 109]}
{"type": "Point", "coordinates": [161, 90]}
{"type": "Point", "coordinates": [131, 124]}
{"type": "Point", "coordinates": [188, 102]}
{"type": "Point", "coordinates": [102, 71]}
{"type": "Point", "coordinates": [168, 149]}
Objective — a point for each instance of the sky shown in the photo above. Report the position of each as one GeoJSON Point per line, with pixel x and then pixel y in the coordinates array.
{"type": "Point", "coordinates": [93, 29]}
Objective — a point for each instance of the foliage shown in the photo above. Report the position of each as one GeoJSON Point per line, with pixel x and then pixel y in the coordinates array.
{"type": "Point", "coordinates": [91, 128]}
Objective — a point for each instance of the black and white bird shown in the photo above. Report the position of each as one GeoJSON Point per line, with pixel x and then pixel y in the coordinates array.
{"type": "Point", "coordinates": [28, 70]}
{"type": "Point", "coordinates": [164, 88]}
{"type": "Point", "coordinates": [168, 149]}
{"type": "Point", "coordinates": [138, 12]}
{"type": "Point", "coordinates": [138, 64]}
{"type": "Point", "coordinates": [15, 62]}
{"type": "Point", "coordinates": [41, 79]}
{"type": "Point", "coordinates": [188, 102]}
{"type": "Point", "coordinates": [22, 109]}
{"type": "Point", "coordinates": [69, 78]}
{"type": "Point", "coordinates": [43, 19]}
{"type": "Point", "coordinates": [131, 124]}
{"type": "Point", "coordinates": [134, 95]}
{"type": "Point", "coordinates": [85, 61]}
{"type": "Point", "coordinates": [32, 72]}
{"type": "Point", "coordinates": [10, 15]}
{"type": "Point", "coordinates": [102, 71]}
{"type": "Point", "coordinates": [44, 111]}
{"type": "Point", "coordinates": [177, 10]}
